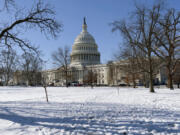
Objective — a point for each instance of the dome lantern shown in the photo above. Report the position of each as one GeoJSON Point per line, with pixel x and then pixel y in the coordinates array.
{"type": "Point", "coordinates": [84, 26]}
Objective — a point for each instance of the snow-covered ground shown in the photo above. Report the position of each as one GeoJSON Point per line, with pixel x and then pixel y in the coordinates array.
{"type": "Point", "coordinates": [24, 111]}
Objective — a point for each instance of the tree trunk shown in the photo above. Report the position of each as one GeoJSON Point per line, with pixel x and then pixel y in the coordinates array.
{"type": "Point", "coordinates": [151, 85]}
{"type": "Point", "coordinates": [66, 82]}
{"type": "Point", "coordinates": [145, 81]}
{"type": "Point", "coordinates": [170, 80]}
{"type": "Point", "coordinates": [66, 78]}
{"type": "Point", "coordinates": [46, 93]}
{"type": "Point", "coordinates": [134, 85]}
{"type": "Point", "coordinates": [6, 82]}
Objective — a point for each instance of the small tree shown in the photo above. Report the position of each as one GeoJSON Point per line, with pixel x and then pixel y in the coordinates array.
{"type": "Point", "coordinates": [129, 56]}
{"type": "Point", "coordinates": [61, 58]}
{"type": "Point", "coordinates": [9, 62]}
{"type": "Point", "coordinates": [91, 78]}
{"type": "Point", "coordinates": [44, 84]}
{"type": "Point", "coordinates": [31, 67]}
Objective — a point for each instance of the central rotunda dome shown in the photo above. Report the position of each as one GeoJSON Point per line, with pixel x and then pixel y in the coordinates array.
{"type": "Point", "coordinates": [84, 37]}
{"type": "Point", "coordinates": [84, 49]}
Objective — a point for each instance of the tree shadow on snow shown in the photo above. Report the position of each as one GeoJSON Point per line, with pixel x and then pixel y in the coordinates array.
{"type": "Point", "coordinates": [91, 118]}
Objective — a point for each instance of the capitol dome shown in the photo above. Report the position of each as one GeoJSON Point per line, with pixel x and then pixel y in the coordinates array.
{"type": "Point", "coordinates": [84, 49]}
{"type": "Point", "coordinates": [84, 37]}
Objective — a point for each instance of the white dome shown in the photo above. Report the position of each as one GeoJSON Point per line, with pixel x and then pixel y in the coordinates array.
{"type": "Point", "coordinates": [85, 38]}
{"type": "Point", "coordinates": [84, 50]}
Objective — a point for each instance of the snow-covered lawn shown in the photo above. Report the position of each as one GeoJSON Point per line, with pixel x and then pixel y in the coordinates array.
{"type": "Point", "coordinates": [24, 111]}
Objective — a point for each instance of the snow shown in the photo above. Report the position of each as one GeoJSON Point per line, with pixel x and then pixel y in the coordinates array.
{"type": "Point", "coordinates": [79, 110]}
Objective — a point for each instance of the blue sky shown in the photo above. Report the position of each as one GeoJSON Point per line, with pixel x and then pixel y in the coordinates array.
{"type": "Point", "coordinates": [99, 14]}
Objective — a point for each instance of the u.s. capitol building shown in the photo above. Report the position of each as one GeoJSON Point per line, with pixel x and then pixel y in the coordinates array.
{"type": "Point", "coordinates": [85, 66]}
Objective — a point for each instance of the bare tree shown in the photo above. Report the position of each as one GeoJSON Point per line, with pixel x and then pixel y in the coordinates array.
{"type": "Point", "coordinates": [44, 84]}
{"type": "Point", "coordinates": [130, 64]}
{"type": "Point", "coordinates": [91, 78]}
{"type": "Point", "coordinates": [31, 67]}
{"type": "Point", "coordinates": [61, 58]}
{"type": "Point", "coordinates": [40, 16]}
{"type": "Point", "coordinates": [139, 33]}
{"type": "Point", "coordinates": [6, 4]}
{"type": "Point", "coordinates": [1, 76]}
{"type": "Point", "coordinates": [168, 42]}
{"type": "Point", "coordinates": [8, 64]}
